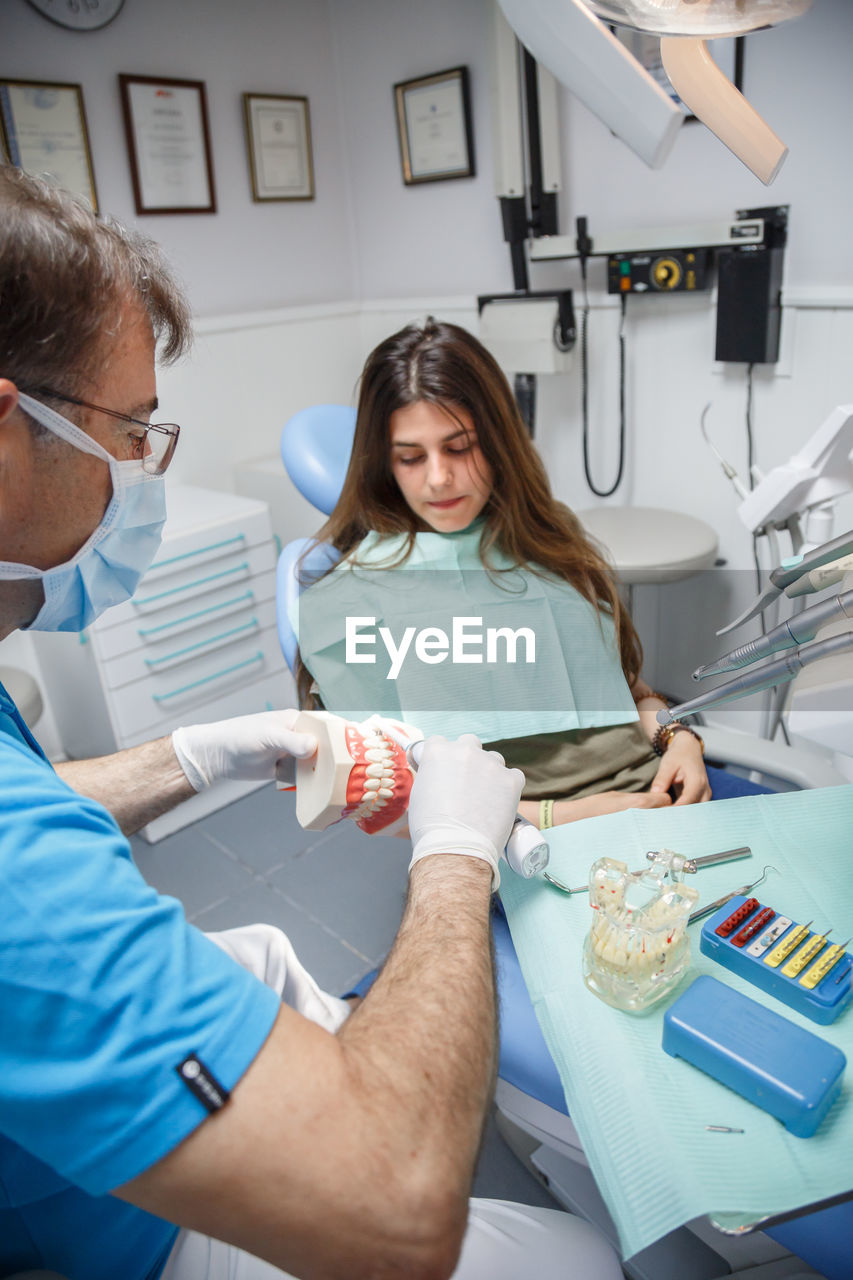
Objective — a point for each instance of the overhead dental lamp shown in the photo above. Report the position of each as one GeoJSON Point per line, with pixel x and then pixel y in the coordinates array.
{"type": "Point", "coordinates": [705, 18]}
{"type": "Point", "coordinates": [570, 38]}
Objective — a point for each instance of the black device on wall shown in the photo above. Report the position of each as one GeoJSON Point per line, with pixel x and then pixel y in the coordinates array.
{"type": "Point", "coordinates": [749, 292]}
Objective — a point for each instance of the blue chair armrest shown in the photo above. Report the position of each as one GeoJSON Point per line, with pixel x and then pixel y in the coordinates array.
{"type": "Point", "coordinates": [291, 578]}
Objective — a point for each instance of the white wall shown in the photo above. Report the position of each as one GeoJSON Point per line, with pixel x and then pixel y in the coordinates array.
{"type": "Point", "coordinates": [441, 237]}
{"type": "Point", "coordinates": [247, 256]}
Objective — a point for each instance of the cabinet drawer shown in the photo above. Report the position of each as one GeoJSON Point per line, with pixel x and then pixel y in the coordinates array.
{"type": "Point", "coordinates": [184, 651]}
{"type": "Point", "coordinates": [169, 695]}
{"type": "Point", "coordinates": [199, 545]}
{"type": "Point", "coordinates": [271, 692]}
{"type": "Point", "coordinates": [189, 583]}
{"type": "Point", "coordinates": [183, 617]}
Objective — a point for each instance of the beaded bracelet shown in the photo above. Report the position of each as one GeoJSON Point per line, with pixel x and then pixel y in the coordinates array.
{"type": "Point", "coordinates": [665, 734]}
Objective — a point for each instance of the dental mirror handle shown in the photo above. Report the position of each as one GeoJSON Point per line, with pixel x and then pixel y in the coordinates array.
{"type": "Point", "coordinates": [526, 851]}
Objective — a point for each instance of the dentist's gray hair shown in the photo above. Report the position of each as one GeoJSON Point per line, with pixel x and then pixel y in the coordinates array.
{"type": "Point", "coordinates": [65, 278]}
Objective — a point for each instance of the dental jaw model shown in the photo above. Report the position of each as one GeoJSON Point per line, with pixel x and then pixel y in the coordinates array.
{"type": "Point", "coordinates": [365, 771]}
{"type": "Point", "coordinates": [359, 772]}
{"type": "Point", "coordinates": [637, 947]}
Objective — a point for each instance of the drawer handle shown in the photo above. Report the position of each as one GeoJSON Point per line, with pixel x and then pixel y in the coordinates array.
{"type": "Point", "coordinates": [200, 551]}
{"type": "Point", "coordinates": [217, 675]}
{"type": "Point", "coordinates": [144, 632]}
{"type": "Point", "coordinates": [188, 586]}
{"type": "Point", "coordinates": [251, 625]}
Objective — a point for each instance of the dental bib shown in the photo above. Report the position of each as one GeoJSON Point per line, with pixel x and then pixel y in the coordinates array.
{"type": "Point", "coordinates": [446, 644]}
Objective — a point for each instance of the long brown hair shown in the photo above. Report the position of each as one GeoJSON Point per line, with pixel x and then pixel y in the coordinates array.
{"type": "Point", "coordinates": [447, 366]}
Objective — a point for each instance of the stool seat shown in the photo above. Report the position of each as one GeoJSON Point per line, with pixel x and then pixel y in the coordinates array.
{"type": "Point", "coordinates": [24, 692]}
{"type": "Point", "coordinates": [650, 544]}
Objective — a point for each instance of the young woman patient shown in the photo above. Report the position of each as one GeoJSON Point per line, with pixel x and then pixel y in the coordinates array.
{"type": "Point", "coordinates": [440, 449]}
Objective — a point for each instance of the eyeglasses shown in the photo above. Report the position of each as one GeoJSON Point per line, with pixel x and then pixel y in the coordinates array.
{"type": "Point", "coordinates": [153, 444]}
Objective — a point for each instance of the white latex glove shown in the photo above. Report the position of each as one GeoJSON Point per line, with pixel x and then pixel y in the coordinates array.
{"type": "Point", "coordinates": [246, 748]}
{"type": "Point", "coordinates": [464, 800]}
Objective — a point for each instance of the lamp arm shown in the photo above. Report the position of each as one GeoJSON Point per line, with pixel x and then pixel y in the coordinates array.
{"type": "Point", "coordinates": [715, 100]}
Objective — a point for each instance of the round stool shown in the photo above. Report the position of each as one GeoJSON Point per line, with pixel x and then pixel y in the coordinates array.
{"type": "Point", "coordinates": [649, 544]}
{"type": "Point", "coordinates": [24, 692]}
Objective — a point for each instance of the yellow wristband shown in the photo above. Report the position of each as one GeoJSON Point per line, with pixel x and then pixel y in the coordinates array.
{"type": "Point", "coordinates": [546, 814]}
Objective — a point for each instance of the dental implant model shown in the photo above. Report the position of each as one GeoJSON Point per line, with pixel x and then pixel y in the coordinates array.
{"type": "Point", "coordinates": [637, 947]}
{"type": "Point", "coordinates": [358, 772]}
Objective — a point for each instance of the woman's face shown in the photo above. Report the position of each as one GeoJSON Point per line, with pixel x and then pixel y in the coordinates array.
{"type": "Point", "coordinates": [438, 465]}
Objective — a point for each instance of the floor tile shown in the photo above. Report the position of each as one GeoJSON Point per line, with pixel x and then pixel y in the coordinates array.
{"type": "Point", "coordinates": [355, 883]}
{"type": "Point", "coordinates": [190, 867]}
{"type": "Point", "coordinates": [261, 829]}
{"type": "Point", "coordinates": [327, 958]}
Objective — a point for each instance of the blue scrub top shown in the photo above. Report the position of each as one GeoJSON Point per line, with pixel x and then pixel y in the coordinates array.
{"type": "Point", "coordinates": [104, 990]}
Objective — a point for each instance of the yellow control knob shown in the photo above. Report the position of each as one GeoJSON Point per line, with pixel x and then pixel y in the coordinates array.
{"type": "Point", "coordinates": [666, 273]}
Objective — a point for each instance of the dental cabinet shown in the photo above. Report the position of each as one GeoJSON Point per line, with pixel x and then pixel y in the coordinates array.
{"type": "Point", "coordinates": [197, 642]}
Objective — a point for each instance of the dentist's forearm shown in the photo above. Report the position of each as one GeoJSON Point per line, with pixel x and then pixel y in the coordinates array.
{"type": "Point", "coordinates": [136, 785]}
{"type": "Point", "coordinates": [428, 1026]}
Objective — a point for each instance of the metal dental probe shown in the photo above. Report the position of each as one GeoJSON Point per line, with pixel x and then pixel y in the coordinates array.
{"type": "Point", "coordinates": [691, 865]}
{"type": "Point", "coordinates": [564, 888]}
{"type": "Point", "coordinates": [727, 897]}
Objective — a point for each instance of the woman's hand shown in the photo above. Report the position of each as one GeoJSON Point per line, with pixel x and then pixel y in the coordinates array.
{"type": "Point", "coordinates": [682, 771]}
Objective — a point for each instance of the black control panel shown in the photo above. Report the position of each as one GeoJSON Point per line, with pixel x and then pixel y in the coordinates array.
{"type": "Point", "coordinates": [661, 271]}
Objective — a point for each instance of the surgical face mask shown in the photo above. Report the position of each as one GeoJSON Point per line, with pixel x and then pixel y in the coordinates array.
{"type": "Point", "coordinates": [107, 568]}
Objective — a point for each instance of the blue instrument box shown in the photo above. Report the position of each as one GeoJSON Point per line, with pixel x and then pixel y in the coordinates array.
{"type": "Point", "coordinates": [767, 1059]}
{"type": "Point", "coordinates": [822, 1004]}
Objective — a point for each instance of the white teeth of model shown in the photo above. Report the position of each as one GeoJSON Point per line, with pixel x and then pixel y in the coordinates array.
{"type": "Point", "coordinates": [372, 784]}
{"type": "Point", "coordinates": [385, 792]}
{"type": "Point", "coordinates": [375, 756]}
{"type": "Point", "coordinates": [375, 771]}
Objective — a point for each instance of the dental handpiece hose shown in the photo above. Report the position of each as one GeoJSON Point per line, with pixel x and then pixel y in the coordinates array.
{"type": "Point", "coordinates": [766, 677]}
{"type": "Point", "coordinates": [526, 851]}
{"type": "Point", "coordinates": [797, 630]}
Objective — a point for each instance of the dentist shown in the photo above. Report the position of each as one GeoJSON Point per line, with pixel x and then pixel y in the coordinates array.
{"type": "Point", "coordinates": [172, 1104]}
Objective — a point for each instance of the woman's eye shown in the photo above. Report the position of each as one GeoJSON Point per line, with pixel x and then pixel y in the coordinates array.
{"type": "Point", "coordinates": [466, 448]}
{"type": "Point", "coordinates": [410, 461]}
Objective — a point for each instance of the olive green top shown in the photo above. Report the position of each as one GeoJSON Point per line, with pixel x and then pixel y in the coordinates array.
{"type": "Point", "coordinates": [582, 762]}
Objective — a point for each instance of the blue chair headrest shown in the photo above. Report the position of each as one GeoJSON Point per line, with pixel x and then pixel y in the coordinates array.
{"type": "Point", "coordinates": [316, 444]}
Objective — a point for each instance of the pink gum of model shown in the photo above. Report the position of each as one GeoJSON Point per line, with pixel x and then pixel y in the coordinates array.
{"type": "Point", "coordinates": [358, 772]}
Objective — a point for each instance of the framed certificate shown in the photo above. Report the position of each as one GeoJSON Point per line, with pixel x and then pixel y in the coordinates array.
{"type": "Point", "coordinates": [168, 143]}
{"type": "Point", "coordinates": [434, 124]}
{"type": "Point", "coordinates": [278, 137]}
{"type": "Point", "coordinates": [43, 130]}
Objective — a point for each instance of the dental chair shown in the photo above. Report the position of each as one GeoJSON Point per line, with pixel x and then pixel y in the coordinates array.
{"type": "Point", "coordinates": [532, 1114]}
